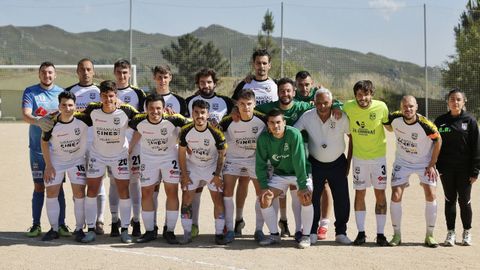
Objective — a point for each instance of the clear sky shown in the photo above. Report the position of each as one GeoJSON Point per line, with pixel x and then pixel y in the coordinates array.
{"type": "Point", "coordinates": [393, 28]}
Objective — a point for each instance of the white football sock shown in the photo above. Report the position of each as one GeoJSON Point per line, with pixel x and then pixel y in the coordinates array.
{"type": "Point", "coordinates": [53, 211]}
{"type": "Point", "coordinates": [430, 216]}
{"type": "Point", "coordinates": [90, 211]}
{"type": "Point", "coordinates": [172, 217]}
{"type": "Point", "coordinates": [79, 211]}
{"type": "Point", "coordinates": [360, 220]}
{"type": "Point", "coordinates": [147, 217]}
{"type": "Point", "coordinates": [396, 216]}
{"type": "Point", "coordinates": [228, 204]}
{"type": "Point", "coordinates": [307, 218]}
{"type": "Point", "coordinates": [270, 218]}
{"type": "Point", "coordinates": [125, 206]}
{"type": "Point", "coordinates": [297, 210]}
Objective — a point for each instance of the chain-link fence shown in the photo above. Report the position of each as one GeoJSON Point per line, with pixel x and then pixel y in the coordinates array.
{"type": "Point", "coordinates": [333, 67]}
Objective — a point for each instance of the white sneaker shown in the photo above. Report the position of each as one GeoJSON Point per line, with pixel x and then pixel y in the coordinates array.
{"type": "Point", "coordinates": [450, 240]}
{"type": "Point", "coordinates": [313, 239]}
{"type": "Point", "coordinates": [467, 238]}
{"type": "Point", "coordinates": [304, 242]}
{"type": "Point", "coordinates": [343, 239]}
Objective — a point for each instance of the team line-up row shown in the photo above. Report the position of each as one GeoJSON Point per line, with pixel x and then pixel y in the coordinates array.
{"type": "Point", "coordinates": [265, 128]}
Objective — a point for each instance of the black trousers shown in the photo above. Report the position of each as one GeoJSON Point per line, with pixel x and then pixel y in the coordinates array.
{"type": "Point", "coordinates": [456, 184]}
{"type": "Point", "coordinates": [335, 173]}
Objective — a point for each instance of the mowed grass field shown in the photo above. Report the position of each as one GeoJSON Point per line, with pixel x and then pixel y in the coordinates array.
{"type": "Point", "coordinates": [19, 252]}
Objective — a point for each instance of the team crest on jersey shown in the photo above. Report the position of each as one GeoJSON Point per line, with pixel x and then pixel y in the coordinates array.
{"type": "Point", "coordinates": [268, 89]}
{"type": "Point", "coordinates": [362, 124]}
{"type": "Point", "coordinates": [397, 168]}
{"type": "Point", "coordinates": [215, 106]}
{"type": "Point", "coordinates": [357, 170]}
{"type": "Point", "coordinates": [254, 130]}
{"type": "Point", "coordinates": [169, 105]}
{"type": "Point", "coordinates": [127, 99]}
{"type": "Point", "coordinates": [414, 136]}
{"type": "Point", "coordinates": [206, 142]}
{"type": "Point", "coordinates": [464, 126]}
{"type": "Point", "coordinates": [332, 124]}
{"type": "Point", "coordinates": [116, 120]}
{"type": "Point", "coordinates": [373, 116]}
{"type": "Point", "coordinates": [77, 131]}
{"type": "Point", "coordinates": [93, 95]}
{"type": "Point", "coordinates": [285, 147]}
{"type": "Point", "coordinates": [163, 131]}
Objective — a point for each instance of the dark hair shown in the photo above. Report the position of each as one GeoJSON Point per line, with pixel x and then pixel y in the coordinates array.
{"type": "Point", "coordinates": [84, 60]}
{"type": "Point", "coordinates": [302, 75]}
{"type": "Point", "coordinates": [246, 94]}
{"type": "Point", "coordinates": [259, 53]}
{"type": "Point", "coordinates": [122, 63]}
{"type": "Point", "coordinates": [46, 64]}
{"type": "Point", "coordinates": [161, 70]}
{"type": "Point", "coordinates": [454, 91]}
{"type": "Point", "coordinates": [364, 85]}
{"type": "Point", "coordinates": [202, 104]}
{"type": "Point", "coordinates": [107, 86]}
{"type": "Point", "coordinates": [66, 95]}
{"type": "Point", "coordinates": [205, 72]}
{"type": "Point", "coordinates": [275, 112]}
{"type": "Point", "coordinates": [154, 97]}
{"type": "Point", "coordinates": [283, 81]}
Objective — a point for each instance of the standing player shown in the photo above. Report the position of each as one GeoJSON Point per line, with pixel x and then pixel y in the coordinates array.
{"type": "Point", "coordinates": [283, 147]}
{"type": "Point", "coordinates": [418, 146]}
{"type": "Point", "coordinates": [326, 146]}
{"type": "Point", "coordinates": [265, 90]}
{"type": "Point", "coordinates": [63, 148]}
{"type": "Point", "coordinates": [306, 92]}
{"type": "Point", "coordinates": [162, 75]}
{"type": "Point", "coordinates": [158, 134]}
{"type": "Point", "coordinates": [109, 150]}
{"type": "Point", "coordinates": [241, 138]}
{"type": "Point", "coordinates": [219, 106]}
{"type": "Point", "coordinates": [367, 117]}
{"type": "Point", "coordinates": [203, 166]}
{"type": "Point", "coordinates": [85, 92]}
{"type": "Point", "coordinates": [136, 98]}
{"type": "Point", "coordinates": [37, 101]}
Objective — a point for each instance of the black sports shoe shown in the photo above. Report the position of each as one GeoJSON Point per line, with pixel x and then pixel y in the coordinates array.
{"type": "Point", "coordinates": [164, 231]}
{"type": "Point", "coordinates": [78, 235]}
{"type": "Point", "coordinates": [239, 225]}
{"type": "Point", "coordinates": [284, 231]}
{"type": "Point", "coordinates": [170, 238]}
{"type": "Point", "coordinates": [115, 232]}
{"type": "Point", "coordinates": [220, 239]}
{"type": "Point", "coordinates": [298, 236]}
{"type": "Point", "coordinates": [382, 240]}
{"type": "Point", "coordinates": [361, 239]}
{"type": "Point", "coordinates": [147, 237]}
{"type": "Point", "coordinates": [50, 235]}
{"type": "Point", "coordinates": [136, 232]}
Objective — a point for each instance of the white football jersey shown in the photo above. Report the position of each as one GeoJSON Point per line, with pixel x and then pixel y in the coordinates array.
{"type": "Point", "coordinates": [109, 139]}
{"type": "Point", "coordinates": [158, 141]}
{"type": "Point", "coordinates": [220, 106]}
{"type": "Point", "coordinates": [265, 91]}
{"type": "Point", "coordinates": [203, 144]}
{"type": "Point", "coordinates": [242, 137]}
{"type": "Point", "coordinates": [68, 141]}
{"type": "Point", "coordinates": [84, 94]}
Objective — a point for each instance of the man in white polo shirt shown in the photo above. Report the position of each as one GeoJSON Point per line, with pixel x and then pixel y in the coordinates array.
{"type": "Point", "coordinates": [326, 146]}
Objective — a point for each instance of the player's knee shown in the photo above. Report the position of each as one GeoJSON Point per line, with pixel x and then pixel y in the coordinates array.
{"type": "Point", "coordinates": [39, 187]}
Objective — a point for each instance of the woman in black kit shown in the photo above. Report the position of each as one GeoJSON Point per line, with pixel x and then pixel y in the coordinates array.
{"type": "Point", "coordinates": [458, 163]}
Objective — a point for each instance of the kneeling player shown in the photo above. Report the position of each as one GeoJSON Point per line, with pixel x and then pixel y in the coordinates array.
{"type": "Point", "coordinates": [203, 166]}
{"type": "Point", "coordinates": [282, 145]}
{"type": "Point", "coordinates": [418, 147]}
{"type": "Point", "coordinates": [63, 148]}
{"type": "Point", "coordinates": [241, 138]}
{"type": "Point", "coordinates": [159, 161]}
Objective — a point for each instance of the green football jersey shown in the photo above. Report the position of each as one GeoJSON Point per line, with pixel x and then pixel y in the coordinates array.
{"type": "Point", "coordinates": [292, 114]}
